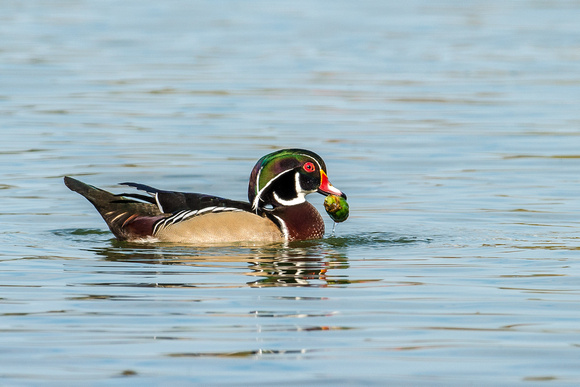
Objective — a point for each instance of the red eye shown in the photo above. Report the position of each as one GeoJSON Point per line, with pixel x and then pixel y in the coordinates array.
{"type": "Point", "coordinates": [309, 167]}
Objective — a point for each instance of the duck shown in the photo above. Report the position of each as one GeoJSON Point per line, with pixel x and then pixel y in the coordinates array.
{"type": "Point", "coordinates": [276, 211]}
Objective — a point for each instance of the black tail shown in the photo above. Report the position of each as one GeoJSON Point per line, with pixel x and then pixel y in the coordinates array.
{"type": "Point", "coordinates": [116, 210]}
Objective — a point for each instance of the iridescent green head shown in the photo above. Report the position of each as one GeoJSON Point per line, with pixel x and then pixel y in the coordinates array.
{"type": "Point", "coordinates": [285, 177]}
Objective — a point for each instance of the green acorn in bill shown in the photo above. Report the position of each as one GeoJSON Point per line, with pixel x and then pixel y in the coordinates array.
{"type": "Point", "coordinates": [336, 207]}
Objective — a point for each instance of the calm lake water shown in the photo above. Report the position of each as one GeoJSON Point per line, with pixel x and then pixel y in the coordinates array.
{"type": "Point", "coordinates": [454, 128]}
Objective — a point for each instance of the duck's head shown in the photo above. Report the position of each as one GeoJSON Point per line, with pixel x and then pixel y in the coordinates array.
{"type": "Point", "coordinates": [285, 177]}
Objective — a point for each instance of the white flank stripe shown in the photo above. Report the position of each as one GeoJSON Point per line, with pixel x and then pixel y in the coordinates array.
{"type": "Point", "coordinates": [283, 227]}
{"type": "Point", "coordinates": [190, 214]}
{"type": "Point", "coordinates": [207, 209]}
{"type": "Point", "coordinates": [187, 214]}
{"type": "Point", "coordinates": [178, 217]}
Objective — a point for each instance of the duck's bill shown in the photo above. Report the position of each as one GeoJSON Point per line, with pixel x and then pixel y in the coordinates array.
{"type": "Point", "coordinates": [326, 188]}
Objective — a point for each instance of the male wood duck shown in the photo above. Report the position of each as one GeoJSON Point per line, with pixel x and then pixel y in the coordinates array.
{"type": "Point", "coordinates": [277, 209]}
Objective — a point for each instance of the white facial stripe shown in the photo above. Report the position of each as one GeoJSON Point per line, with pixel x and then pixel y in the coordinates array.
{"type": "Point", "coordinates": [299, 188]}
{"type": "Point", "coordinates": [257, 198]}
{"type": "Point", "coordinates": [319, 168]}
{"type": "Point", "coordinates": [301, 198]}
{"type": "Point", "coordinates": [297, 185]}
{"type": "Point", "coordinates": [310, 157]}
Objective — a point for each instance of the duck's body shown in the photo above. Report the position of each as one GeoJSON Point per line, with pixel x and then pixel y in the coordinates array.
{"type": "Point", "coordinates": [277, 210]}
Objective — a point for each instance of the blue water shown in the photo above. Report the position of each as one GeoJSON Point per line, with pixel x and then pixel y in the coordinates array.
{"type": "Point", "coordinates": [453, 127]}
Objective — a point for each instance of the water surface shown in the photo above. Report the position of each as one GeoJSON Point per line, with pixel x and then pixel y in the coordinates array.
{"type": "Point", "coordinates": [452, 126]}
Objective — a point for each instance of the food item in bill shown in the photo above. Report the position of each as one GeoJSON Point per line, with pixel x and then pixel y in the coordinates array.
{"type": "Point", "coordinates": [336, 207]}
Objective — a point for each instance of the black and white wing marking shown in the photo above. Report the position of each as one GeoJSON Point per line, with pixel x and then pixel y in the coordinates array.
{"type": "Point", "coordinates": [184, 215]}
{"type": "Point", "coordinates": [173, 202]}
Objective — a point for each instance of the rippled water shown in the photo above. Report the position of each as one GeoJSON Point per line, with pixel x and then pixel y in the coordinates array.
{"type": "Point", "coordinates": [453, 127]}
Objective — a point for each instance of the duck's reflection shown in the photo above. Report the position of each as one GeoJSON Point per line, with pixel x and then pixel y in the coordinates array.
{"type": "Point", "coordinates": [296, 270]}
{"type": "Point", "coordinates": [313, 263]}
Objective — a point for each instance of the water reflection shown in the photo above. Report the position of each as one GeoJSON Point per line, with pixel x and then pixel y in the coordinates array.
{"type": "Point", "coordinates": [300, 269]}
{"type": "Point", "coordinates": [319, 263]}
{"type": "Point", "coordinates": [295, 264]}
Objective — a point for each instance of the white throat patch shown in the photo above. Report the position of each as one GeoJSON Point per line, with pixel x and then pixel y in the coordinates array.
{"type": "Point", "coordinates": [301, 198]}
{"type": "Point", "coordinates": [298, 200]}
